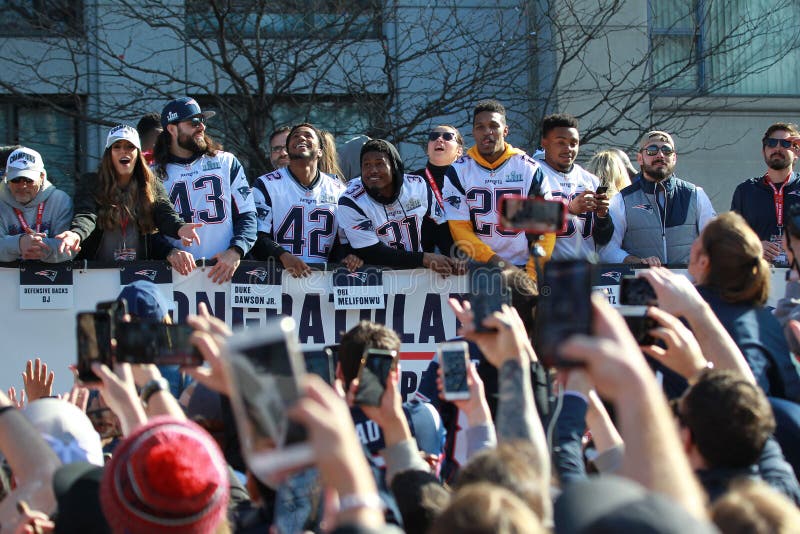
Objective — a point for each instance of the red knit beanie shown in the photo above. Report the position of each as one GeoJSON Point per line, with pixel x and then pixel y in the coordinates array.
{"type": "Point", "coordinates": [168, 476]}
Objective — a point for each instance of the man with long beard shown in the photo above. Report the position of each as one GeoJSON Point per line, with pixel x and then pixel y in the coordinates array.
{"type": "Point", "coordinates": [206, 185]}
{"type": "Point", "coordinates": [658, 216]}
{"type": "Point", "coordinates": [763, 200]}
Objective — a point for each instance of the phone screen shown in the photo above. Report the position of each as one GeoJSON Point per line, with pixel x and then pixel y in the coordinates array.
{"type": "Point", "coordinates": [267, 386]}
{"type": "Point", "coordinates": [601, 190]}
{"type": "Point", "coordinates": [94, 343]}
{"type": "Point", "coordinates": [487, 294]}
{"type": "Point", "coordinates": [454, 370]}
{"type": "Point", "coordinates": [156, 342]}
{"type": "Point", "coordinates": [564, 309]}
{"type": "Point", "coordinates": [533, 215]}
{"type": "Point", "coordinates": [375, 368]}
{"type": "Point", "coordinates": [320, 363]}
{"type": "Point", "coordinates": [637, 292]}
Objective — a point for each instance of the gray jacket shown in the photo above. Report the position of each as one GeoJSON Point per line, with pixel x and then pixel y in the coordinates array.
{"type": "Point", "coordinates": [56, 216]}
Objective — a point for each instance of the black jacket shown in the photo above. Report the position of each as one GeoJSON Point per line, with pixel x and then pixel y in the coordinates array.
{"type": "Point", "coordinates": [84, 221]}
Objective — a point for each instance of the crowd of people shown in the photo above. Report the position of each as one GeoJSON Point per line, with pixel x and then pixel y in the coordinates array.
{"type": "Point", "coordinates": [697, 430]}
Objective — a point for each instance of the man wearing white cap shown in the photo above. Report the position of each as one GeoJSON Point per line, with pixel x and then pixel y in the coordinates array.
{"type": "Point", "coordinates": [32, 210]}
{"type": "Point", "coordinates": [206, 185]}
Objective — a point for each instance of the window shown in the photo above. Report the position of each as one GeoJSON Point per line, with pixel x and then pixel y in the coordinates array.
{"type": "Point", "coordinates": [53, 18]}
{"type": "Point", "coordinates": [725, 47]}
{"type": "Point", "coordinates": [244, 19]}
{"type": "Point", "coordinates": [54, 135]}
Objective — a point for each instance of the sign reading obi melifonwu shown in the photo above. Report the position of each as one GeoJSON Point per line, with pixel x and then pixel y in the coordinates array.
{"type": "Point", "coordinates": [255, 285]}
{"type": "Point", "coordinates": [359, 290]}
{"type": "Point", "coordinates": [45, 286]}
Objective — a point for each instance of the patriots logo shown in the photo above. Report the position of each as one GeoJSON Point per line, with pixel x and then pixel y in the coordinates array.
{"type": "Point", "coordinates": [365, 225]}
{"type": "Point", "coordinates": [614, 275]}
{"type": "Point", "coordinates": [362, 277]}
{"type": "Point", "coordinates": [645, 207]}
{"type": "Point", "coordinates": [49, 274]}
{"type": "Point", "coordinates": [262, 213]}
{"type": "Point", "coordinates": [259, 273]}
{"type": "Point", "coordinates": [454, 201]}
{"type": "Point", "coordinates": [244, 191]}
{"type": "Point", "coordinates": [150, 274]}
{"type": "Point", "coordinates": [796, 192]}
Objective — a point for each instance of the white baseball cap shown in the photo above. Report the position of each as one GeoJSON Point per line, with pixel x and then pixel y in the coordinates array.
{"type": "Point", "coordinates": [123, 131]}
{"type": "Point", "coordinates": [24, 162]}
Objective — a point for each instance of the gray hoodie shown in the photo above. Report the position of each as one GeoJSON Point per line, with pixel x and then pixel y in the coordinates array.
{"type": "Point", "coordinates": [56, 218]}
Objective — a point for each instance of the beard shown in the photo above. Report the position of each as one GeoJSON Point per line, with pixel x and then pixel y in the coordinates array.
{"type": "Point", "coordinates": [190, 143]}
{"type": "Point", "coordinates": [778, 164]}
{"type": "Point", "coordinates": [657, 174]}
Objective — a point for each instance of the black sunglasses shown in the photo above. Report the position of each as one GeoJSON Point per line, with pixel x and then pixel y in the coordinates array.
{"type": "Point", "coordinates": [447, 136]}
{"type": "Point", "coordinates": [21, 180]}
{"type": "Point", "coordinates": [772, 142]}
{"type": "Point", "coordinates": [196, 121]}
{"type": "Point", "coordinates": [653, 150]}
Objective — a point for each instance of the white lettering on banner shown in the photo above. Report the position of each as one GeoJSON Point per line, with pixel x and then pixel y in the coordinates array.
{"type": "Point", "coordinates": [415, 306]}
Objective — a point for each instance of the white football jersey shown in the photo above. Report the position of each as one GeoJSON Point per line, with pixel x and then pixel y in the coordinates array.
{"type": "Point", "coordinates": [301, 220]}
{"type": "Point", "coordinates": [472, 192]}
{"type": "Point", "coordinates": [366, 221]}
{"type": "Point", "coordinates": [211, 190]}
{"type": "Point", "coordinates": [577, 242]}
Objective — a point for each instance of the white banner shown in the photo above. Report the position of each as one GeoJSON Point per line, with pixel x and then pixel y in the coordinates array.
{"type": "Point", "coordinates": [415, 307]}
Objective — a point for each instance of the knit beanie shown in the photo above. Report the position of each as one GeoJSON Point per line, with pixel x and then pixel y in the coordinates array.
{"type": "Point", "coordinates": [167, 476]}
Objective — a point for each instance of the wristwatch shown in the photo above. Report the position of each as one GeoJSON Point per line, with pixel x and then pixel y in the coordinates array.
{"type": "Point", "coordinates": [154, 386]}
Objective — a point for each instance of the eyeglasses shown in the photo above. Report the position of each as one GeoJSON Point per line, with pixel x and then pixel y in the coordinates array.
{"type": "Point", "coordinates": [653, 150]}
{"type": "Point", "coordinates": [277, 148]}
{"type": "Point", "coordinates": [772, 142]}
{"type": "Point", "coordinates": [21, 180]}
{"type": "Point", "coordinates": [447, 136]}
{"type": "Point", "coordinates": [196, 121]}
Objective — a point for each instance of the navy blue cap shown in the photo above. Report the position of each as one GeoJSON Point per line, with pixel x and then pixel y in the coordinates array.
{"type": "Point", "coordinates": [182, 109]}
{"type": "Point", "coordinates": [145, 300]}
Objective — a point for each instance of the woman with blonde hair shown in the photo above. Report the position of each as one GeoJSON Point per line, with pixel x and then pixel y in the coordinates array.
{"type": "Point", "coordinates": [329, 163]}
{"type": "Point", "coordinates": [609, 167]}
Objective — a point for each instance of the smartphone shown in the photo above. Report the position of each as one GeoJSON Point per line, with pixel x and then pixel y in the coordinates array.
{"type": "Point", "coordinates": [601, 190]}
{"type": "Point", "coordinates": [639, 323]}
{"type": "Point", "coordinates": [533, 215]}
{"type": "Point", "coordinates": [636, 292]}
{"type": "Point", "coordinates": [155, 342]}
{"type": "Point", "coordinates": [564, 308]}
{"type": "Point", "coordinates": [487, 293]}
{"type": "Point", "coordinates": [94, 343]}
{"type": "Point", "coordinates": [320, 363]}
{"type": "Point", "coordinates": [265, 367]}
{"type": "Point", "coordinates": [454, 359]}
{"type": "Point", "coordinates": [376, 364]}
{"type": "Point", "coordinates": [117, 308]}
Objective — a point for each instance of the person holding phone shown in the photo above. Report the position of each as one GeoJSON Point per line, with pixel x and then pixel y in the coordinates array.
{"type": "Point", "coordinates": [589, 224]}
{"type": "Point", "coordinates": [425, 423]}
{"type": "Point", "coordinates": [122, 210]}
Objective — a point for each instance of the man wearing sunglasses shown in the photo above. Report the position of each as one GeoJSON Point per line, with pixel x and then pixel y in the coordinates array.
{"type": "Point", "coordinates": [206, 185]}
{"type": "Point", "coordinates": [32, 210]}
{"type": "Point", "coordinates": [764, 200]}
{"type": "Point", "coordinates": [658, 216]}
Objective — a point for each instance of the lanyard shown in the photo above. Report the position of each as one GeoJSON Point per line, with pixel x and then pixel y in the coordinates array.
{"type": "Point", "coordinates": [434, 187]}
{"type": "Point", "coordinates": [24, 224]}
{"type": "Point", "coordinates": [778, 196]}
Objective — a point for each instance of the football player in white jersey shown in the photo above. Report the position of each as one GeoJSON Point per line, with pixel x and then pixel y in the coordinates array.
{"type": "Point", "coordinates": [475, 183]}
{"type": "Point", "coordinates": [206, 185]}
{"type": "Point", "coordinates": [381, 214]}
{"type": "Point", "coordinates": [296, 207]}
{"type": "Point", "coordinates": [589, 224]}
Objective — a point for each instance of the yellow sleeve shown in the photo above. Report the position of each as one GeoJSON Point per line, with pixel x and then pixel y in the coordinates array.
{"type": "Point", "coordinates": [466, 240]}
{"type": "Point", "coordinates": [548, 243]}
